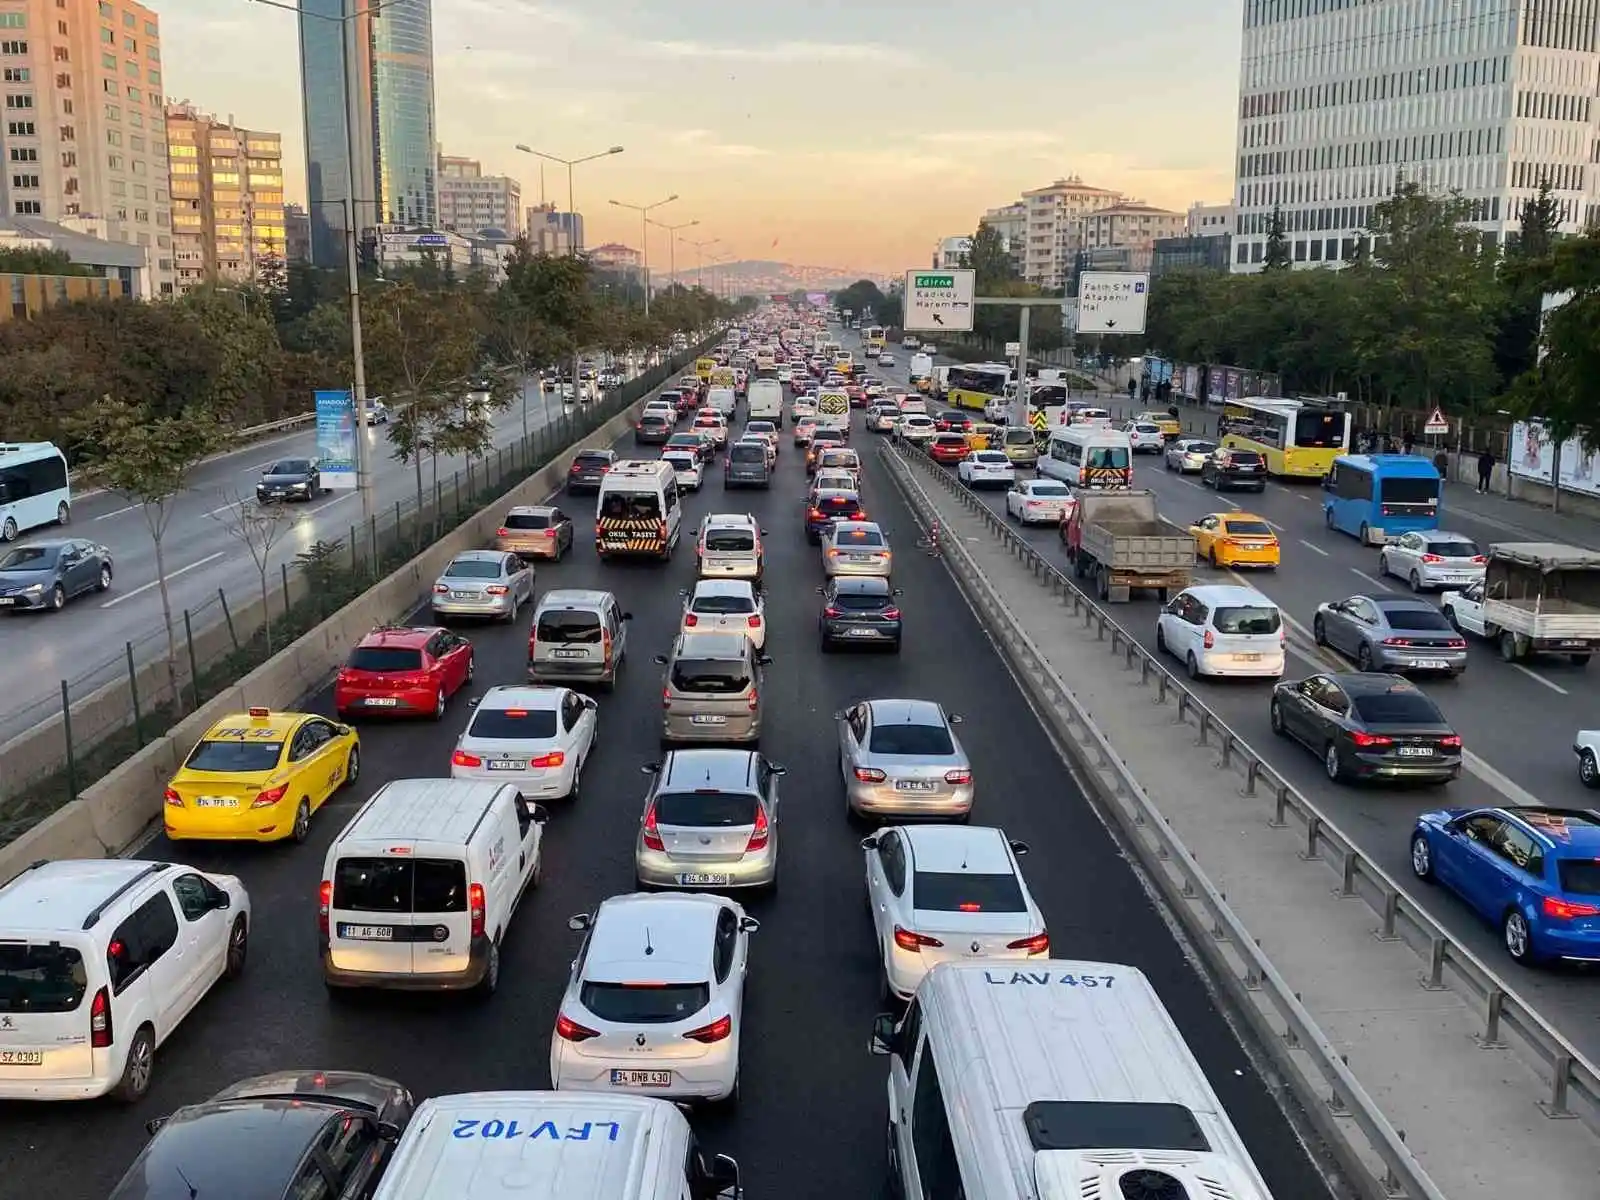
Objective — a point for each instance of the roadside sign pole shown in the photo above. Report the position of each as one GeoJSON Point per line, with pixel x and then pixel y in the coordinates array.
{"type": "Point", "coordinates": [1018, 415]}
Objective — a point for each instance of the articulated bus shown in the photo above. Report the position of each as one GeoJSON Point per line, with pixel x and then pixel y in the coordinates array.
{"type": "Point", "coordinates": [874, 337]}
{"type": "Point", "coordinates": [1298, 440]}
{"type": "Point", "coordinates": [973, 385]}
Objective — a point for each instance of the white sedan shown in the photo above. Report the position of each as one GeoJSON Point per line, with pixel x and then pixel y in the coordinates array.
{"type": "Point", "coordinates": [1039, 502]}
{"type": "Point", "coordinates": [655, 1002]}
{"type": "Point", "coordinates": [986, 468]}
{"type": "Point", "coordinates": [1145, 438]}
{"type": "Point", "coordinates": [886, 360]}
{"type": "Point", "coordinates": [725, 606]}
{"type": "Point", "coordinates": [537, 738]}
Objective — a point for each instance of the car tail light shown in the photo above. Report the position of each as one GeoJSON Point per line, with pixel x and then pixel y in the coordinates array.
{"type": "Point", "coordinates": [652, 831]}
{"type": "Point", "coordinates": [815, 514]}
{"type": "Point", "coordinates": [502, 532]}
{"type": "Point", "coordinates": [717, 1031]}
{"type": "Point", "coordinates": [605, 646]}
{"type": "Point", "coordinates": [907, 940]}
{"type": "Point", "coordinates": [270, 797]}
{"type": "Point", "coordinates": [1039, 943]}
{"type": "Point", "coordinates": [690, 620]}
{"type": "Point", "coordinates": [324, 904]}
{"type": "Point", "coordinates": [497, 589]}
{"type": "Point", "coordinates": [1479, 559]}
{"type": "Point", "coordinates": [100, 1020]}
{"type": "Point", "coordinates": [441, 589]}
{"type": "Point", "coordinates": [1210, 639]}
{"type": "Point", "coordinates": [755, 699]}
{"type": "Point", "coordinates": [556, 758]}
{"type": "Point", "coordinates": [1397, 641]}
{"type": "Point", "coordinates": [1432, 558]}
{"type": "Point", "coordinates": [759, 835]}
{"type": "Point", "coordinates": [477, 906]}
{"type": "Point", "coordinates": [462, 759]}
{"type": "Point", "coordinates": [833, 553]}
{"type": "Point", "coordinates": [755, 621]}
{"type": "Point", "coordinates": [959, 775]}
{"type": "Point", "coordinates": [569, 1030]}
{"type": "Point", "coordinates": [1452, 742]}
{"type": "Point", "coordinates": [891, 614]}
{"type": "Point", "coordinates": [869, 775]}
{"type": "Point", "coordinates": [661, 530]}
{"type": "Point", "coordinates": [1565, 910]}
{"type": "Point", "coordinates": [1368, 741]}
{"type": "Point", "coordinates": [172, 798]}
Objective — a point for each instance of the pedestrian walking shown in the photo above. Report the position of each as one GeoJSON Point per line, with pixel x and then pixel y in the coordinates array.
{"type": "Point", "coordinates": [1409, 441]}
{"type": "Point", "coordinates": [1133, 388]}
{"type": "Point", "coordinates": [1485, 471]}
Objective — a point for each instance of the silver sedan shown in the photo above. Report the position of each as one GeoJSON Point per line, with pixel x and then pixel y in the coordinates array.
{"type": "Point", "coordinates": [856, 548]}
{"type": "Point", "coordinates": [483, 583]}
{"type": "Point", "coordinates": [1434, 559]}
{"type": "Point", "coordinates": [1188, 455]}
{"type": "Point", "coordinates": [1391, 633]}
{"type": "Point", "coordinates": [901, 759]}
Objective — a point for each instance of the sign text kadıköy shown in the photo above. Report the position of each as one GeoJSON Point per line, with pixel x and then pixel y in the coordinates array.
{"type": "Point", "coordinates": [940, 301]}
{"type": "Point", "coordinates": [1112, 301]}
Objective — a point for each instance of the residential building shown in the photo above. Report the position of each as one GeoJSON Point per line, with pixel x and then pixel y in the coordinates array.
{"type": "Point", "coordinates": [1010, 221]}
{"type": "Point", "coordinates": [227, 198]}
{"type": "Point", "coordinates": [1130, 229]}
{"type": "Point", "coordinates": [470, 201]}
{"type": "Point", "coordinates": [613, 256]}
{"type": "Point", "coordinates": [552, 232]}
{"type": "Point", "coordinates": [402, 54]}
{"type": "Point", "coordinates": [951, 252]}
{"type": "Point", "coordinates": [296, 233]}
{"type": "Point", "coordinates": [332, 31]}
{"type": "Point", "coordinates": [1051, 239]}
{"type": "Point", "coordinates": [1336, 103]}
{"type": "Point", "coordinates": [1210, 220]}
{"type": "Point", "coordinates": [83, 134]}
{"type": "Point", "coordinates": [126, 265]}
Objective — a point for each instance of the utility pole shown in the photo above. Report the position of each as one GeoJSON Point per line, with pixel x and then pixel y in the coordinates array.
{"type": "Point", "coordinates": [644, 211]}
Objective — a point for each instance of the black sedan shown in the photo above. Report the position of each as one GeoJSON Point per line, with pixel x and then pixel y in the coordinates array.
{"type": "Point", "coordinates": [953, 420]}
{"type": "Point", "coordinates": [859, 611]}
{"type": "Point", "coordinates": [275, 1137]}
{"type": "Point", "coordinates": [588, 470]}
{"type": "Point", "coordinates": [1227, 470]}
{"type": "Point", "coordinates": [1368, 725]}
{"type": "Point", "coordinates": [290, 479]}
{"type": "Point", "coordinates": [48, 574]}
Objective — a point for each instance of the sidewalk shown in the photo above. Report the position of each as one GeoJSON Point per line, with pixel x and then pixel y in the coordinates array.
{"type": "Point", "coordinates": [1467, 1113]}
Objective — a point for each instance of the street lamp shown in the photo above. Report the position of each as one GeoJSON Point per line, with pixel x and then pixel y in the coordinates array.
{"type": "Point", "coordinates": [572, 212]}
{"type": "Point", "coordinates": [672, 243]}
{"type": "Point", "coordinates": [700, 258]}
{"type": "Point", "coordinates": [644, 211]}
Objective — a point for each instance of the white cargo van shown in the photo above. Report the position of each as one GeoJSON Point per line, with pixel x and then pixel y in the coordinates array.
{"type": "Point", "coordinates": [1052, 1079]}
{"type": "Point", "coordinates": [417, 890]}
{"type": "Point", "coordinates": [553, 1146]}
{"type": "Point", "coordinates": [766, 401]}
{"type": "Point", "coordinates": [723, 399]}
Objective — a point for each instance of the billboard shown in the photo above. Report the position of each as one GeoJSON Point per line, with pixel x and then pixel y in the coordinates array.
{"type": "Point", "coordinates": [820, 299]}
{"type": "Point", "coordinates": [1532, 456]}
{"type": "Point", "coordinates": [336, 438]}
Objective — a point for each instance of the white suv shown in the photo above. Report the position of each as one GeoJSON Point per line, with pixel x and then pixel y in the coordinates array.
{"type": "Point", "coordinates": [100, 959]}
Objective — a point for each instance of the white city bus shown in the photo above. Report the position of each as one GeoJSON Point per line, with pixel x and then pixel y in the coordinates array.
{"type": "Point", "coordinates": [33, 487]}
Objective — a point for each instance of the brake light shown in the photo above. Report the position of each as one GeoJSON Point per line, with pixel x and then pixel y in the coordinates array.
{"type": "Point", "coordinates": [502, 532]}
{"type": "Point", "coordinates": [717, 1031]}
{"type": "Point", "coordinates": [497, 589]}
{"type": "Point", "coordinates": [1432, 558]}
{"type": "Point", "coordinates": [914, 942]}
{"type": "Point", "coordinates": [891, 614]}
{"type": "Point", "coordinates": [569, 1030]}
{"type": "Point", "coordinates": [462, 759]}
{"type": "Point", "coordinates": [869, 775]}
{"type": "Point", "coordinates": [652, 831]}
{"type": "Point", "coordinates": [1564, 910]}
{"type": "Point", "coordinates": [959, 775]}
{"type": "Point", "coordinates": [100, 1019]}
{"type": "Point", "coordinates": [1453, 742]}
{"type": "Point", "coordinates": [555, 758]}
{"type": "Point", "coordinates": [1479, 559]}
{"type": "Point", "coordinates": [1367, 741]}
{"type": "Point", "coordinates": [324, 903]}
{"type": "Point", "coordinates": [605, 646]}
{"type": "Point", "coordinates": [759, 835]}
{"type": "Point", "coordinates": [755, 699]}
{"type": "Point", "coordinates": [833, 554]}
{"type": "Point", "coordinates": [440, 589]}
{"type": "Point", "coordinates": [755, 621]}
{"type": "Point", "coordinates": [174, 799]}
{"type": "Point", "coordinates": [815, 514]}
{"type": "Point", "coordinates": [477, 906]}
{"type": "Point", "coordinates": [268, 798]}
{"type": "Point", "coordinates": [661, 530]}
{"type": "Point", "coordinates": [1039, 943]}
{"type": "Point", "coordinates": [690, 620]}
{"type": "Point", "coordinates": [666, 696]}
{"type": "Point", "coordinates": [1210, 640]}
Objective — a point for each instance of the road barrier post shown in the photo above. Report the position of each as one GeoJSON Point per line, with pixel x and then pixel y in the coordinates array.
{"type": "Point", "coordinates": [194, 670]}
{"type": "Point", "coordinates": [355, 563]}
{"type": "Point", "coordinates": [66, 729]}
{"type": "Point", "coordinates": [283, 572]}
{"type": "Point", "coordinates": [133, 691]}
{"type": "Point", "coordinates": [233, 634]}
{"type": "Point", "coordinates": [372, 543]}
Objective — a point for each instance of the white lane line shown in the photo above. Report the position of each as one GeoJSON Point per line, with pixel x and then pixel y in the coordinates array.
{"type": "Point", "coordinates": [225, 508]}
{"type": "Point", "coordinates": [116, 512]}
{"type": "Point", "coordinates": [1313, 548]}
{"type": "Point", "coordinates": [1538, 678]}
{"type": "Point", "coordinates": [1376, 582]}
{"type": "Point", "coordinates": [171, 575]}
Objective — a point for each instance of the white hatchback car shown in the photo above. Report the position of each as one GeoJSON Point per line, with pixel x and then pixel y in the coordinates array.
{"type": "Point", "coordinates": [886, 360]}
{"type": "Point", "coordinates": [534, 738]}
{"type": "Point", "coordinates": [1145, 437]}
{"type": "Point", "coordinates": [1224, 629]}
{"type": "Point", "coordinates": [687, 468]}
{"type": "Point", "coordinates": [987, 468]}
{"type": "Point", "coordinates": [1039, 502]}
{"type": "Point", "coordinates": [655, 1002]}
{"type": "Point", "coordinates": [948, 893]}
{"type": "Point", "coordinates": [1434, 559]}
{"type": "Point", "coordinates": [725, 606]}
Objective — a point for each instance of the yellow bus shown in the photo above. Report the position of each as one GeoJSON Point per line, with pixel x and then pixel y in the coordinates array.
{"type": "Point", "coordinates": [874, 337]}
{"type": "Point", "coordinates": [973, 385]}
{"type": "Point", "coordinates": [1298, 440]}
{"type": "Point", "coordinates": [703, 368]}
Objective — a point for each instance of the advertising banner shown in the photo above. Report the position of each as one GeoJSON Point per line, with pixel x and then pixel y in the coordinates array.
{"type": "Point", "coordinates": [336, 438]}
{"type": "Point", "coordinates": [1532, 455]}
{"type": "Point", "coordinates": [820, 299]}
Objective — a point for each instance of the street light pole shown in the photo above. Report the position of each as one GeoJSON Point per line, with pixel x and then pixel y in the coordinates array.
{"type": "Point", "coordinates": [700, 259]}
{"type": "Point", "coordinates": [644, 211]}
{"type": "Point", "coordinates": [672, 243]}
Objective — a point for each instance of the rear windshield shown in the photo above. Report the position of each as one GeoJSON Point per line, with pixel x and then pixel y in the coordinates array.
{"type": "Point", "coordinates": [1454, 549]}
{"type": "Point", "coordinates": [1409, 491]}
{"type": "Point", "coordinates": [684, 439]}
{"type": "Point", "coordinates": [645, 1003]}
{"type": "Point", "coordinates": [838, 458]}
{"type": "Point", "coordinates": [1250, 528]}
{"type": "Point", "coordinates": [513, 723]}
{"type": "Point", "coordinates": [724, 604]}
{"type": "Point", "coordinates": [1579, 876]}
{"type": "Point", "coordinates": [1112, 457]}
{"type": "Point", "coordinates": [858, 537]}
{"type": "Point", "coordinates": [1246, 618]}
{"type": "Point", "coordinates": [730, 539]}
{"type": "Point", "coordinates": [527, 521]}
{"type": "Point", "coordinates": [932, 740]}
{"type": "Point", "coordinates": [948, 439]}
{"type": "Point", "coordinates": [743, 452]}
{"type": "Point", "coordinates": [1417, 618]}
{"type": "Point", "coordinates": [383, 659]}
{"type": "Point", "coordinates": [680, 462]}
{"type": "Point", "coordinates": [233, 757]}
{"type": "Point", "coordinates": [709, 809]}
{"type": "Point", "coordinates": [710, 678]}
{"type": "Point", "coordinates": [567, 626]}
{"type": "Point", "coordinates": [992, 456]}
{"type": "Point", "coordinates": [839, 503]}
{"type": "Point", "coordinates": [1050, 491]}
{"type": "Point", "coordinates": [861, 601]}
{"type": "Point", "coordinates": [400, 885]}
{"type": "Point", "coordinates": [656, 418]}
{"type": "Point", "coordinates": [960, 891]}
{"type": "Point", "coordinates": [1397, 708]}
{"type": "Point", "coordinates": [637, 506]}
{"type": "Point", "coordinates": [760, 427]}
{"type": "Point", "coordinates": [1199, 447]}
{"type": "Point", "coordinates": [473, 568]}
{"type": "Point", "coordinates": [1243, 458]}
{"type": "Point", "coordinates": [591, 458]}
{"type": "Point", "coordinates": [40, 978]}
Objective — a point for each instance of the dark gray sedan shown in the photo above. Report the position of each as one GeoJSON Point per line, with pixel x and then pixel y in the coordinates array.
{"type": "Point", "coordinates": [48, 574]}
{"type": "Point", "coordinates": [1391, 633]}
{"type": "Point", "coordinates": [290, 479]}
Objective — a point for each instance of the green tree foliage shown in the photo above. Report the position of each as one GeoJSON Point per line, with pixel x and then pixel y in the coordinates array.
{"type": "Point", "coordinates": [20, 260]}
{"type": "Point", "coordinates": [862, 299]}
{"type": "Point", "coordinates": [1517, 343]}
{"type": "Point", "coordinates": [1277, 256]}
{"type": "Point", "coordinates": [988, 256]}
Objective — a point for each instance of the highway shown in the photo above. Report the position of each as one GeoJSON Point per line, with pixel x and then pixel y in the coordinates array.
{"type": "Point", "coordinates": [1516, 720]}
{"type": "Point", "coordinates": [811, 1118]}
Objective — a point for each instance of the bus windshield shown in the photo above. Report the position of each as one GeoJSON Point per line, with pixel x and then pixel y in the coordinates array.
{"type": "Point", "coordinates": [1320, 429]}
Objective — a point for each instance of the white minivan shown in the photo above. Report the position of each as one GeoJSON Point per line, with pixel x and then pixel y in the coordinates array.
{"type": "Point", "coordinates": [554, 1146]}
{"type": "Point", "coordinates": [724, 399]}
{"type": "Point", "coordinates": [1223, 629]}
{"type": "Point", "coordinates": [766, 401]}
{"type": "Point", "coordinates": [417, 890]}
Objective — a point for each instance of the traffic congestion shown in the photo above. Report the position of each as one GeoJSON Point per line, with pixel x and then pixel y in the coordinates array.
{"type": "Point", "coordinates": [698, 800]}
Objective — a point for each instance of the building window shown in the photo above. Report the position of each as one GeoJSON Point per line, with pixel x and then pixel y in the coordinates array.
{"type": "Point", "coordinates": [151, 29]}
{"type": "Point", "coordinates": [106, 10]}
{"type": "Point", "coordinates": [131, 69]}
{"type": "Point", "coordinates": [61, 53]}
{"type": "Point", "coordinates": [13, 20]}
{"type": "Point", "coordinates": [25, 181]}
{"type": "Point", "coordinates": [17, 75]}
{"type": "Point", "coordinates": [129, 21]}
{"type": "Point", "coordinates": [138, 166]}
{"type": "Point", "coordinates": [113, 113]}
{"type": "Point", "coordinates": [153, 53]}
{"type": "Point", "coordinates": [136, 120]}
{"type": "Point", "coordinates": [142, 215]}
{"type": "Point", "coordinates": [108, 86]}
{"type": "Point", "coordinates": [118, 188]}
{"type": "Point", "coordinates": [24, 154]}
{"type": "Point", "coordinates": [27, 208]}
{"type": "Point", "coordinates": [19, 100]}
{"type": "Point", "coordinates": [114, 161]}
{"type": "Point", "coordinates": [69, 158]}
{"type": "Point", "coordinates": [131, 45]}
{"type": "Point", "coordinates": [108, 37]}
{"type": "Point", "coordinates": [20, 128]}
{"type": "Point", "coordinates": [155, 77]}
{"type": "Point", "coordinates": [135, 142]}
{"type": "Point", "coordinates": [13, 47]}
{"type": "Point", "coordinates": [108, 61]}
{"type": "Point", "coordinates": [113, 137]}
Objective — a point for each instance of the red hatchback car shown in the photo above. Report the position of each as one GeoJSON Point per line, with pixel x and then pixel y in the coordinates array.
{"type": "Point", "coordinates": [403, 671]}
{"type": "Point", "coordinates": [948, 448]}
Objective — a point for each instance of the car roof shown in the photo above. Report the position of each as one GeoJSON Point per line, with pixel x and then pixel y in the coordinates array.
{"type": "Point", "coordinates": [1446, 535]}
{"type": "Point", "coordinates": [242, 727]}
{"type": "Point", "coordinates": [1214, 594]}
{"type": "Point", "coordinates": [1399, 604]}
{"type": "Point", "coordinates": [856, 527]}
{"type": "Point", "coordinates": [712, 646]}
{"type": "Point", "coordinates": [906, 712]}
{"type": "Point", "coordinates": [723, 769]}
{"type": "Point", "coordinates": [521, 695]}
{"type": "Point", "coordinates": [1239, 514]}
{"type": "Point", "coordinates": [479, 556]}
{"type": "Point", "coordinates": [958, 849]}
{"type": "Point", "coordinates": [407, 637]}
{"type": "Point", "coordinates": [574, 598]}
{"type": "Point", "coordinates": [596, 452]}
{"type": "Point", "coordinates": [65, 894]}
{"type": "Point", "coordinates": [743, 520]}
{"type": "Point", "coordinates": [240, 1148]}
{"type": "Point", "coordinates": [837, 493]}
{"type": "Point", "coordinates": [724, 587]}
{"type": "Point", "coordinates": [341, 1089]}
{"type": "Point", "coordinates": [1372, 683]}
{"type": "Point", "coordinates": [1575, 831]}
{"type": "Point", "coordinates": [666, 937]}
{"type": "Point", "coordinates": [862, 585]}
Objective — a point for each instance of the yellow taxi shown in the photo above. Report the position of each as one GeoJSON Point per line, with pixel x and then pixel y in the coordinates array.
{"type": "Point", "coordinates": [258, 776]}
{"type": "Point", "coordinates": [1169, 424]}
{"type": "Point", "coordinates": [1235, 539]}
{"type": "Point", "coordinates": [984, 437]}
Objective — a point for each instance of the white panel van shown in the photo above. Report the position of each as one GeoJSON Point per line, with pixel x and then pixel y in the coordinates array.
{"type": "Point", "coordinates": [766, 401]}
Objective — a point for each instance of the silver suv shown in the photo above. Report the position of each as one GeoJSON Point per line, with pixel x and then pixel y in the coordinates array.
{"type": "Point", "coordinates": [712, 690]}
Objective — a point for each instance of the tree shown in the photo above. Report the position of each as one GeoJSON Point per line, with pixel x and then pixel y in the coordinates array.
{"type": "Point", "coordinates": [247, 384]}
{"type": "Point", "coordinates": [25, 260]}
{"type": "Point", "coordinates": [1277, 256]}
{"type": "Point", "coordinates": [258, 528]}
{"type": "Point", "coordinates": [988, 256]}
{"type": "Point", "coordinates": [145, 455]}
{"type": "Point", "coordinates": [862, 299]}
{"type": "Point", "coordinates": [1521, 271]}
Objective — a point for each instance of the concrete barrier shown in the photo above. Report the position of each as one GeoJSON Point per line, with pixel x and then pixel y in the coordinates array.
{"type": "Point", "coordinates": [116, 811]}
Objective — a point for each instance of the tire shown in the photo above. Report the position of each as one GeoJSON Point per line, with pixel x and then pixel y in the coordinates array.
{"type": "Point", "coordinates": [1318, 633]}
{"type": "Point", "coordinates": [440, 700]}
{"type": "Point", "coordinates": [1364, 658]}
{"type": "Point", "coordinates": [1275, 719]}
{"type": "Point", "coordinates": [1421, 858]}
{"type": "Point", "coordinates": [490, 983]}
{"type": "Point", "coordinates": [1508, 647]}
{"type": "Point", "coordinates": [8, 531]}
{"type": "Point", "coordinates": [139, 1069]}
{"type": "Point", "coordinates": [105, 578]}
{"type": "Point", "coordinates": [1327, 517]}
{"type": "Point", "coordinates": [1517, 940]}
{"type": "Point", "coordinates": [575, 792]}
{"type": "Point", "coordinates": [302, 822]}
{"type": "Point", "coordinates": [1578, 660]}
{"type": "Point", "coordinates": [1191, 666]}
{"type": "Point", "coordinates": [63, 514]}
{"type": "Point", "coordinates": [1383, 566]}
{"type": "Point", "coordinates": [1415, 580]}
{"type": "Point", "coordinates": [472, 668]}
{"type": "Point", "coordinates": [1212, 555]}
{"type": "Point", "coordinates": [352, 767]}
{"type": "Point", "coordinates": [1366, 532]}
{"type": "Point", "coordinates": [58, 598]}
{"type": "Point", "coordinates": [1161, 640]}
{"type": "Point", "coordinates": [1332, 763]}
{"type": "Point", "coordinates": [511, 616]}
{"type": "Point", "coordinates": [1588, 769]}
{"type": "Point", "coordinates": [238, 949]}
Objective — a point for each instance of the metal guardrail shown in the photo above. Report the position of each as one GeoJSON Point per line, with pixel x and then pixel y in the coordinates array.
{"type": "Point", "coordinates": [1572, 1082]}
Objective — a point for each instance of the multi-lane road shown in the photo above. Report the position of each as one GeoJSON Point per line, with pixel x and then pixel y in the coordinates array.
{"type": "Point", "coordinates": [1517, 720]}
{"type": "Point", "coordinates": [811, 1116]}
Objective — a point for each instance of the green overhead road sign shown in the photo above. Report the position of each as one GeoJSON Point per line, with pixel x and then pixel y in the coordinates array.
{"type": "Point", "coordinates": [939, 301]}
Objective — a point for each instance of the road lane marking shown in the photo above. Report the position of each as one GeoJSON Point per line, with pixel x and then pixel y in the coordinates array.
{"type": "Point", "coordinates": [225, 508]}
{"type": "Point", "coordinates": [1538, 678]}
{"type": "Point", "coordinates": [116, 512]}
{"type": "Point", "coordinates": [171, 575]}
{"type": "Point", "coordinates": [1313, 549]}
{"type": "Point", "coordinates": [1373, 580]}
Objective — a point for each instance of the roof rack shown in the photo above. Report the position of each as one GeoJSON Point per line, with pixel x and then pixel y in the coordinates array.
{"type": "Point", "coordinates": [93, 918]}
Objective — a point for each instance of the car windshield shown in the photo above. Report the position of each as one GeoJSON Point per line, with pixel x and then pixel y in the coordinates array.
{"type": "Point", "coordinates": [724, 604]}
{"type": "Point", "coordinates": [1453, 549]}
{"type": "Point", "coordinates": [400, 885]}
{"type": "Point", "coordinates": [567, 627]}
{"type": "Point", "coordinates": [920, 741]}
{"type": "Point", "coordinates": [384, 659]}
{"type": "Point", "coordinates": [655, 418]}
{"type": "Point", "coordinates": [290, 466]}
{"type": "Point", "coordinates": [473, 568]}
{"type": "Point", "coordinates": [1417, 618]}
{"type": "Point", "coordinates": [644, 1003]}
{"type": "Point", "coordinates": [513, 723]}
{"type": "Point", "coordinates": [858, 538]}
{"type": "Point", "coordinates": [711, 678]}
{"type": "Point", "coordinates": [1247, 619]}
{"type": "Point", "coordinates": [1397, 708]}
{"type": "Point", "coordinates": [28, 558]}
{"type": "Point", "coordinates": [961, 891]}
{"type": "Point", "coordinates": [527, 521]}
{"type": "Point", "coordinates": [1249, 528]}
{"type": "Point", "coordinates": [717, 810]}
{"type": "Point", "coordinates": [1199, 447]}
{"type": "Point", "coordinates": [232, 757]}
{"type": "Point", "coordinates": [40, 978]}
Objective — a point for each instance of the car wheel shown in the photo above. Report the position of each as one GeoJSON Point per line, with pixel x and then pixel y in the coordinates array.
{"type": "Point", "coordinates": [105, 578]}
{"type": "Point", "coordinates": [302, 821]}
{"type": "Point", "coordinates": [1327, 517]}
{"type": "Point", "coordinates": [1319, 633]}
{"type": "Point", "coordinates": [1364, 658]}
{"type": "Point", "coordinates": [238, 949]}
{"type": "Point", "coordinates": [139, 1069]}
{"type": "Point", "coordinates": [491, 973]}
{"type": "Point", "coordinates": [58, 598]}
{"type": "Point", "coordinates": [1421, 857]}
{"type": "Point", "coordinates": [576, 790]}
{"type": "Point", "coordinates": [1192, 665]}
{"type": "Point", "coordinates": [439, 700]}
{"type": "Point", "coordinates": [1450, 616]}
{"type": "Point", "coordinates": [1415, 581]}
{"type": "Point", "coordinates": [1332, 763]}
{"type": "Point", "coordinates": [1275, 719]}
{"type": "Point", "coordinates": [1383, 565]}
{"type": "Point", "coordinates": [1589, 769]}
{"type": "Point", "coordinates": [1212, 555]}
{"type": "Point", "coordinates": [1161, 640]}
{"type": "Point", "coordinates": [352, 767]}
{"type": "Point", "coordinates": [1518, 941]}
{"type": "Point", "coordinates": [511, 617]}
{"type": "Point", "coordinates": [8, 531]}
{"type": "Point", "coordinates": [472, 668]}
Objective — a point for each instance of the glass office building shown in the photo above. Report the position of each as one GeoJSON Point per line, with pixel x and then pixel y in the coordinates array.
{"type": "Point", "coordinates": [323, 26]}
{"type": "Point", "coordinates": [402, 54]}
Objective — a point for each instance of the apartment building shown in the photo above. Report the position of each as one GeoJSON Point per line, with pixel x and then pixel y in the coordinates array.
{"type": "Point", "coordinates": [1051, 243]}
{"type": "Point", "coordinates": [613, 256]}
{"type": "Point", "coordinates": [296, 233]}
{"type": "Point", "coordinates": [228, 217]}
{"type": "Point", "coordinates": [84, 136]}
{"type": "Point", "coordinates": [553, 232]}
{"type": "Point", "coordinates": [1126, 234]}
{"type": "Point", "coordinates": [1210, 220]}
{"type": "Point", "coordinates": [1480, 96]}
{"type": "Point", "coordinates": [470, 201]}
{"type": "Point", "coordinates": [951, 252]}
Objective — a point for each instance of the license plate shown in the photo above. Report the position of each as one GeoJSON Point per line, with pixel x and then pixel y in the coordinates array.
{"type": "Point", "coordinates": [464, 596]}
{"type": "Point", "coordinates": [381, 702]}
{"type": "Point", "coordinates": [507, 764]}
{"type": "Point", "coordinates": [21, 1058]}
{"type": "Point", "coordinates": [216, 802]}
{"type": "Point", "coordinates": [367, 933]}
{"type": "Point", "coordinates": [1247, 657]}
{"type": "Point", "coordinates": [8, 599]}
{"type": "Point", "coordinates": [648, 1079]}
{"type": "Point", "coordinates": [1415, 752]}
{"type": "Point", "coordinates": [697, 879]}
{"type": "Point", "coordinates": [570, 653]}
{"type": "Point", "coordinates": [1431, 664]}
{"type": "Point", "coordinates": [862, 558]}
{"type": "Point", "coordinates": [914, 785]}
{"type": "Point", "coordinates": [703, 720]}
{"type": "Point", "coordinates": [863, 633]}
{"type": "Point", "coordinates": [1574, 644]}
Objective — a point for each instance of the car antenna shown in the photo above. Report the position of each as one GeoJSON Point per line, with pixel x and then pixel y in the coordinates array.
{"type": "Point", "coordinates": [194, 1192]}
{"type": "Point", "coordinates": [649, 949]}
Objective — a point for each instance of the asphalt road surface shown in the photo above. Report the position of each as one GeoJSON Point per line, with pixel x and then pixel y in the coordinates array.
{"type": "Point", "coordinates": [810, 1120]}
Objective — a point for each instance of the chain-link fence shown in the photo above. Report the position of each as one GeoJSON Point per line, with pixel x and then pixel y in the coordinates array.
{"type": "Point", "coordinates": [113, 708]}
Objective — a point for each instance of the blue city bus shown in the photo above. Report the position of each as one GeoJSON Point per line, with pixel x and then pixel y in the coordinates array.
{"type": "Point", "coordinates": [1375, 497]}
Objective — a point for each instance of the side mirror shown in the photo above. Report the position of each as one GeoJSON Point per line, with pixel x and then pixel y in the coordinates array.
{"type": "Point", "coordinates": [683, 591]}
{"type": "Point", "coordinates": [749, 924]}
{"type": "Point", "coordinates": [765, 660]}
{"type": "Point", "coordinates": [955, 718]}
{"type": "Point", "coordinates": [223, 902]}
{"type": "Point", "coordinates": [870, 842]}
{"type": "Point", "coordinates": [822, 591]}
{"type": "Point", "coordinates": [154, 1127]}
{"type": "Point", "coordinates": [580, 923]}
{"type": "Point", "coordinates": [540, 814]}
{"type": "Point", "coordinates": [1019, 848]}
{"type": "Point", "coordinates": [721, 1176]}
{"type": "Point", "coordinates": [899, 591]}
{"type": "Point", "coordinates": [653, 768]}
{"type": "Point", "coordinates": [388, 1131]}
{"type": "Point", "coordinates": [627, 616]}
{"type": "Point", "coordinates": [591, 703]}
{"type": "Point", "coordinates": [472, 701]}
{"type": "Point", "coordinates": [885, 1037]}
{"type": "Point", "coordinates": [661, 659]}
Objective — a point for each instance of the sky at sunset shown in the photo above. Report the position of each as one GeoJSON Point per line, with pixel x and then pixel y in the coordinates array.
{"type": "Point", "coordinates": [826, 133]}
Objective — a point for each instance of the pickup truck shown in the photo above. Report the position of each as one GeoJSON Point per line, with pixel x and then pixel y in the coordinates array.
{"type": "Point", "coordinates": [1535, 598]}
{"type": "Point", "coordinates": [1118, 541]}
